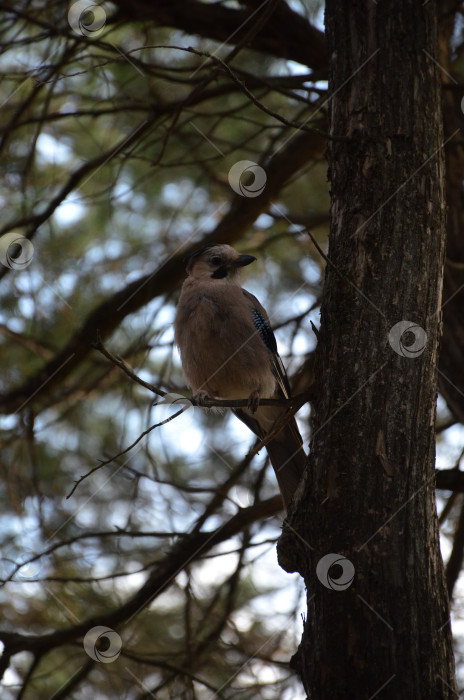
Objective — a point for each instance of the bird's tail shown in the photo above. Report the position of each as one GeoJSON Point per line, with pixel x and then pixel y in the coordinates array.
{"type": "Point", "coordinates": [285, 450]}
{"type": "Point", "coordinates": [288, 459]}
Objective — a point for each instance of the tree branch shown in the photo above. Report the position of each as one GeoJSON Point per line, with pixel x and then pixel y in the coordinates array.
{"type": "Point", "coordinates": [288, 35]}
{"type": "Point", "coordinates": [450, 480]}
{"type": "Point", "coordinates": [106, 317]}
{"type": "Point", "coordinates": [183, 552]}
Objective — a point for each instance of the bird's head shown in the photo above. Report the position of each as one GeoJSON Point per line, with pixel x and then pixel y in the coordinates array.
{"type": "Point", "coordinates": [217, 262]}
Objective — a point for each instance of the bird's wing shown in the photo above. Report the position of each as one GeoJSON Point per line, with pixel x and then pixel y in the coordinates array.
{"type": "Point", "coordinates": [286, 447]}
{"type": "Point", "coordinates": [263, 326]}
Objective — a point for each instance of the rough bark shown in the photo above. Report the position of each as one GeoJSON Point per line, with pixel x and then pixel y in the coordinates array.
{"type": "Point", "coordinates": [451, 369]}
{"type": "Point", "coordinates": [369, 492]}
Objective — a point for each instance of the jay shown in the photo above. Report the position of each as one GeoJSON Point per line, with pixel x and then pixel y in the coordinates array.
{"type": "Point", "coordinates": [228, 351]}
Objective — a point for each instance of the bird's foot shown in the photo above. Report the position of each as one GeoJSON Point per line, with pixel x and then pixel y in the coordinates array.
{"type": "Point", "coordinates": [199, 396]}
{"type": "Point", "coordinates": [253, 401]}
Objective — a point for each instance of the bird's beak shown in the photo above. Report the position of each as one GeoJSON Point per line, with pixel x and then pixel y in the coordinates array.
{"type": "Point", "coordinates": [243, 260]}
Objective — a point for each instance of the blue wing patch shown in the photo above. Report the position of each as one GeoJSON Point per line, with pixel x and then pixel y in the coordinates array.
{"type": "Point", "coordinates": [267, 336]}
{"type": "Point", "coordinates": [264, 330]}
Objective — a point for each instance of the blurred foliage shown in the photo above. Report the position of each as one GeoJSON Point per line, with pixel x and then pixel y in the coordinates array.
{"type": "Point", "coordinates": [158, 155]}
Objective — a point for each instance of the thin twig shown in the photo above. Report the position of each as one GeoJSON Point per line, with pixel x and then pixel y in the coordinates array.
{"type": "Point", "coordinates": [112, 459]}
{"type": "Point", "coordinates": [119, 362]}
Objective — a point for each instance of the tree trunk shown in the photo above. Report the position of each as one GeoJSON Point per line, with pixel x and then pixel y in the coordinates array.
{"type": "Point", "coordinates": [368, 498]}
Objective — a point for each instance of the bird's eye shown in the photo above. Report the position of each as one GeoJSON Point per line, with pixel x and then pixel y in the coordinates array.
{"type": "Point", "coordinates": [216, 260]}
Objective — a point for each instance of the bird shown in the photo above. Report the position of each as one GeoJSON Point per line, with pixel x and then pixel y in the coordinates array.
{"type": "Point", "coordinates": [229, 351]}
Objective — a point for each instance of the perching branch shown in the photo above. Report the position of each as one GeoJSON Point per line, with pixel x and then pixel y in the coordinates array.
{"type": "Point", "coordinates": [294, 403]}
{"type": "Point", "coordinates": [167, 277]}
